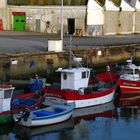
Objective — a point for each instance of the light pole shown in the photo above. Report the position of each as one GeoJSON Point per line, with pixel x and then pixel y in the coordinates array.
{"type": "Point", "coordinates": [62, 21]}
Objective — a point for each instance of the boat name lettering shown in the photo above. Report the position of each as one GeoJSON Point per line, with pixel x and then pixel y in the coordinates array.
{"type": "Point", "coordinates": [53, 95]}
{"type": "Point", "coordinates": [129, 84]}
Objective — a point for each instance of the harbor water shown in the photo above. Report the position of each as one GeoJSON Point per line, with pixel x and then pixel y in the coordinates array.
{"type": "Point", "coordinates": [117, 120]}
{"type": "Point", "coordinates": [103, 122]}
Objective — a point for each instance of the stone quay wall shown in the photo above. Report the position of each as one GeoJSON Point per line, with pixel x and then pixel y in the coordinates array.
{"type": "Point", "coordinates": [24, 66]}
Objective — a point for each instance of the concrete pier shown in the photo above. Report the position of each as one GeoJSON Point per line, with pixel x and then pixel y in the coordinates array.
{"type": "Point", "coordinates": [23, 54]}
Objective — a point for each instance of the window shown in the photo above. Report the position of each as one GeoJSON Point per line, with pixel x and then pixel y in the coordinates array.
{"type": "Point", "coordinates": [84, 74]}
{"type": "Point", "coordinates": [64, 76]}
{"type": "Point", "coordinates": [7, 94]}
{"type": "Point", "coordinates": [87, 74]}
{"type": "Point", "coordinates": [137, 71]}
{"type": "Point", "coordinates": [128, 71]}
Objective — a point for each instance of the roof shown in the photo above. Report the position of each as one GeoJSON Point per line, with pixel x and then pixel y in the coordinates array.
{"type": "Point", "coordinates": [125, 5]}
{"type": "Point", "coordinates": [109, 5]}
{"type": "Point", "coordinates": [94, 5]}
{"type": "Point", "coordinates": [117, 2]}
{"type": "Point", "coordinates": [72, 70]}
{"type": "Point", "coordinates": [47, 2]}
{"type": "Point", "coordinates": [101, 2]}
{"type": "Point", "coordinates": [135, 4]}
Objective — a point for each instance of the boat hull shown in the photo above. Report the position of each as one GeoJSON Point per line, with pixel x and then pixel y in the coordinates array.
{"type": "Point", "coordinates": [80, 101]}
{"type": "Point", "coordinates": [42, 122]}
{"type": "Point", "coordinates": [6, 118]}
{"type": "Point", "coordinates": [94, 101]}
{"type": "Point", "coordinates": [45, 116]}
{"type": "Point", "coordinates": [129, 86]}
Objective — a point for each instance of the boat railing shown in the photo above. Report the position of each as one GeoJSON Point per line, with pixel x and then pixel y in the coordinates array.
{"type": "Point", "coordinates": [94, 88]}
{"type": "Point", "coordinates": [134, 77]}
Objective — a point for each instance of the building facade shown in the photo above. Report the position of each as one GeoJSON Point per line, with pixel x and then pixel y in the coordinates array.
{"type": "Point", "coordinates": [80, 17]}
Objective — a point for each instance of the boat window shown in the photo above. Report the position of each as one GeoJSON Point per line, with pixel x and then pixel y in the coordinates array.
{"type": "Point", "coordinates": [84, 74]}
{"type": "Point", "coordinates": [7, 94]}
{"type": "Point", "coordinates": [87, 74]}
{"type": "Point", "coordinates": [136, 71]}
{"type": "Point", "coordinates": [128, 71]}
{"type": "Point", "coordinates": [64, 76]}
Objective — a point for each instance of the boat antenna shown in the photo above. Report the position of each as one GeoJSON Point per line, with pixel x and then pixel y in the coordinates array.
{"type": "Point", "coordinates": [71, 54]}
{"type": "Point", "coordinates": [108, 71]}
{"type": "Point", "coordinates": [131, 58]}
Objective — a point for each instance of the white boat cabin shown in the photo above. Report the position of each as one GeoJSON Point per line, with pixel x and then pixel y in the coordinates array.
{"type": "Point", "coordinates": [131, 71]}
{"type": "Point", "coordinates": [74, 78]}
{"type": "Point", "coordinates": [6, 92]}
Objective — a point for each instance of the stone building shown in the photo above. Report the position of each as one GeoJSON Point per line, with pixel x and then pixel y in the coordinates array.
{"type": "Point", "coordinates": [83, 17]}
{"type": "Point", "coordinates": [46, 19]}
{"type": "Point", "coordinates": [126, 18]}
{"type": "Point", "coordinates": [136, 26]}
{"type": "Point", "coordinates": [111, 11]}
{"type": "Point", "coordinates": [95, 18]}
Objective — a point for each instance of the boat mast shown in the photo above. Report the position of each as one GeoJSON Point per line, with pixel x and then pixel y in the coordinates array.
{"type": "Point", "coordinates": [62, 21]}
{"type": "Point", "coordinates": [70, 64]}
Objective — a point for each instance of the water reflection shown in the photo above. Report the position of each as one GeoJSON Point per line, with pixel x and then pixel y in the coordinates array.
{"type": "Point", "coordinates": [128, 100]}
{"type": "Point", "coordinates": [91, 113]}
{"type": "Point", "coordinates": [93, 119]}
{"type": "Point", "coordinates": [98, 122]}
{"type": "Point", "coordinates": [28, 133]}
{"type": "Point", "coordinates": [5, 130]}
{"type": "Point", "coordinates": [129, 106]}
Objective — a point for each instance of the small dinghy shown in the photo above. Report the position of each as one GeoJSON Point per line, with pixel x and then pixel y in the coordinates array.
{"type": "Point", "coordinates": [45, 116]}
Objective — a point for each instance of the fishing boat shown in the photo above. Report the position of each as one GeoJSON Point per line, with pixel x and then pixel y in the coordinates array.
{"type": "Point", "coordinates": [129, 81]}
{"type": "Point", "coordinates": [45, 116]}
{"type": "Point", "coordinates": [10, 105]}
{"type": "Point", "coordinates": [27, 100]}
{"type": "Point", "coordinates": [75, 88]}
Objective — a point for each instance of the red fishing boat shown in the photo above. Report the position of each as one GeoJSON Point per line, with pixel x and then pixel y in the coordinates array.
{"type": "Point", "coordinates": [129, 81]}
{"type": "Point", "coordinates": [75, 88]}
